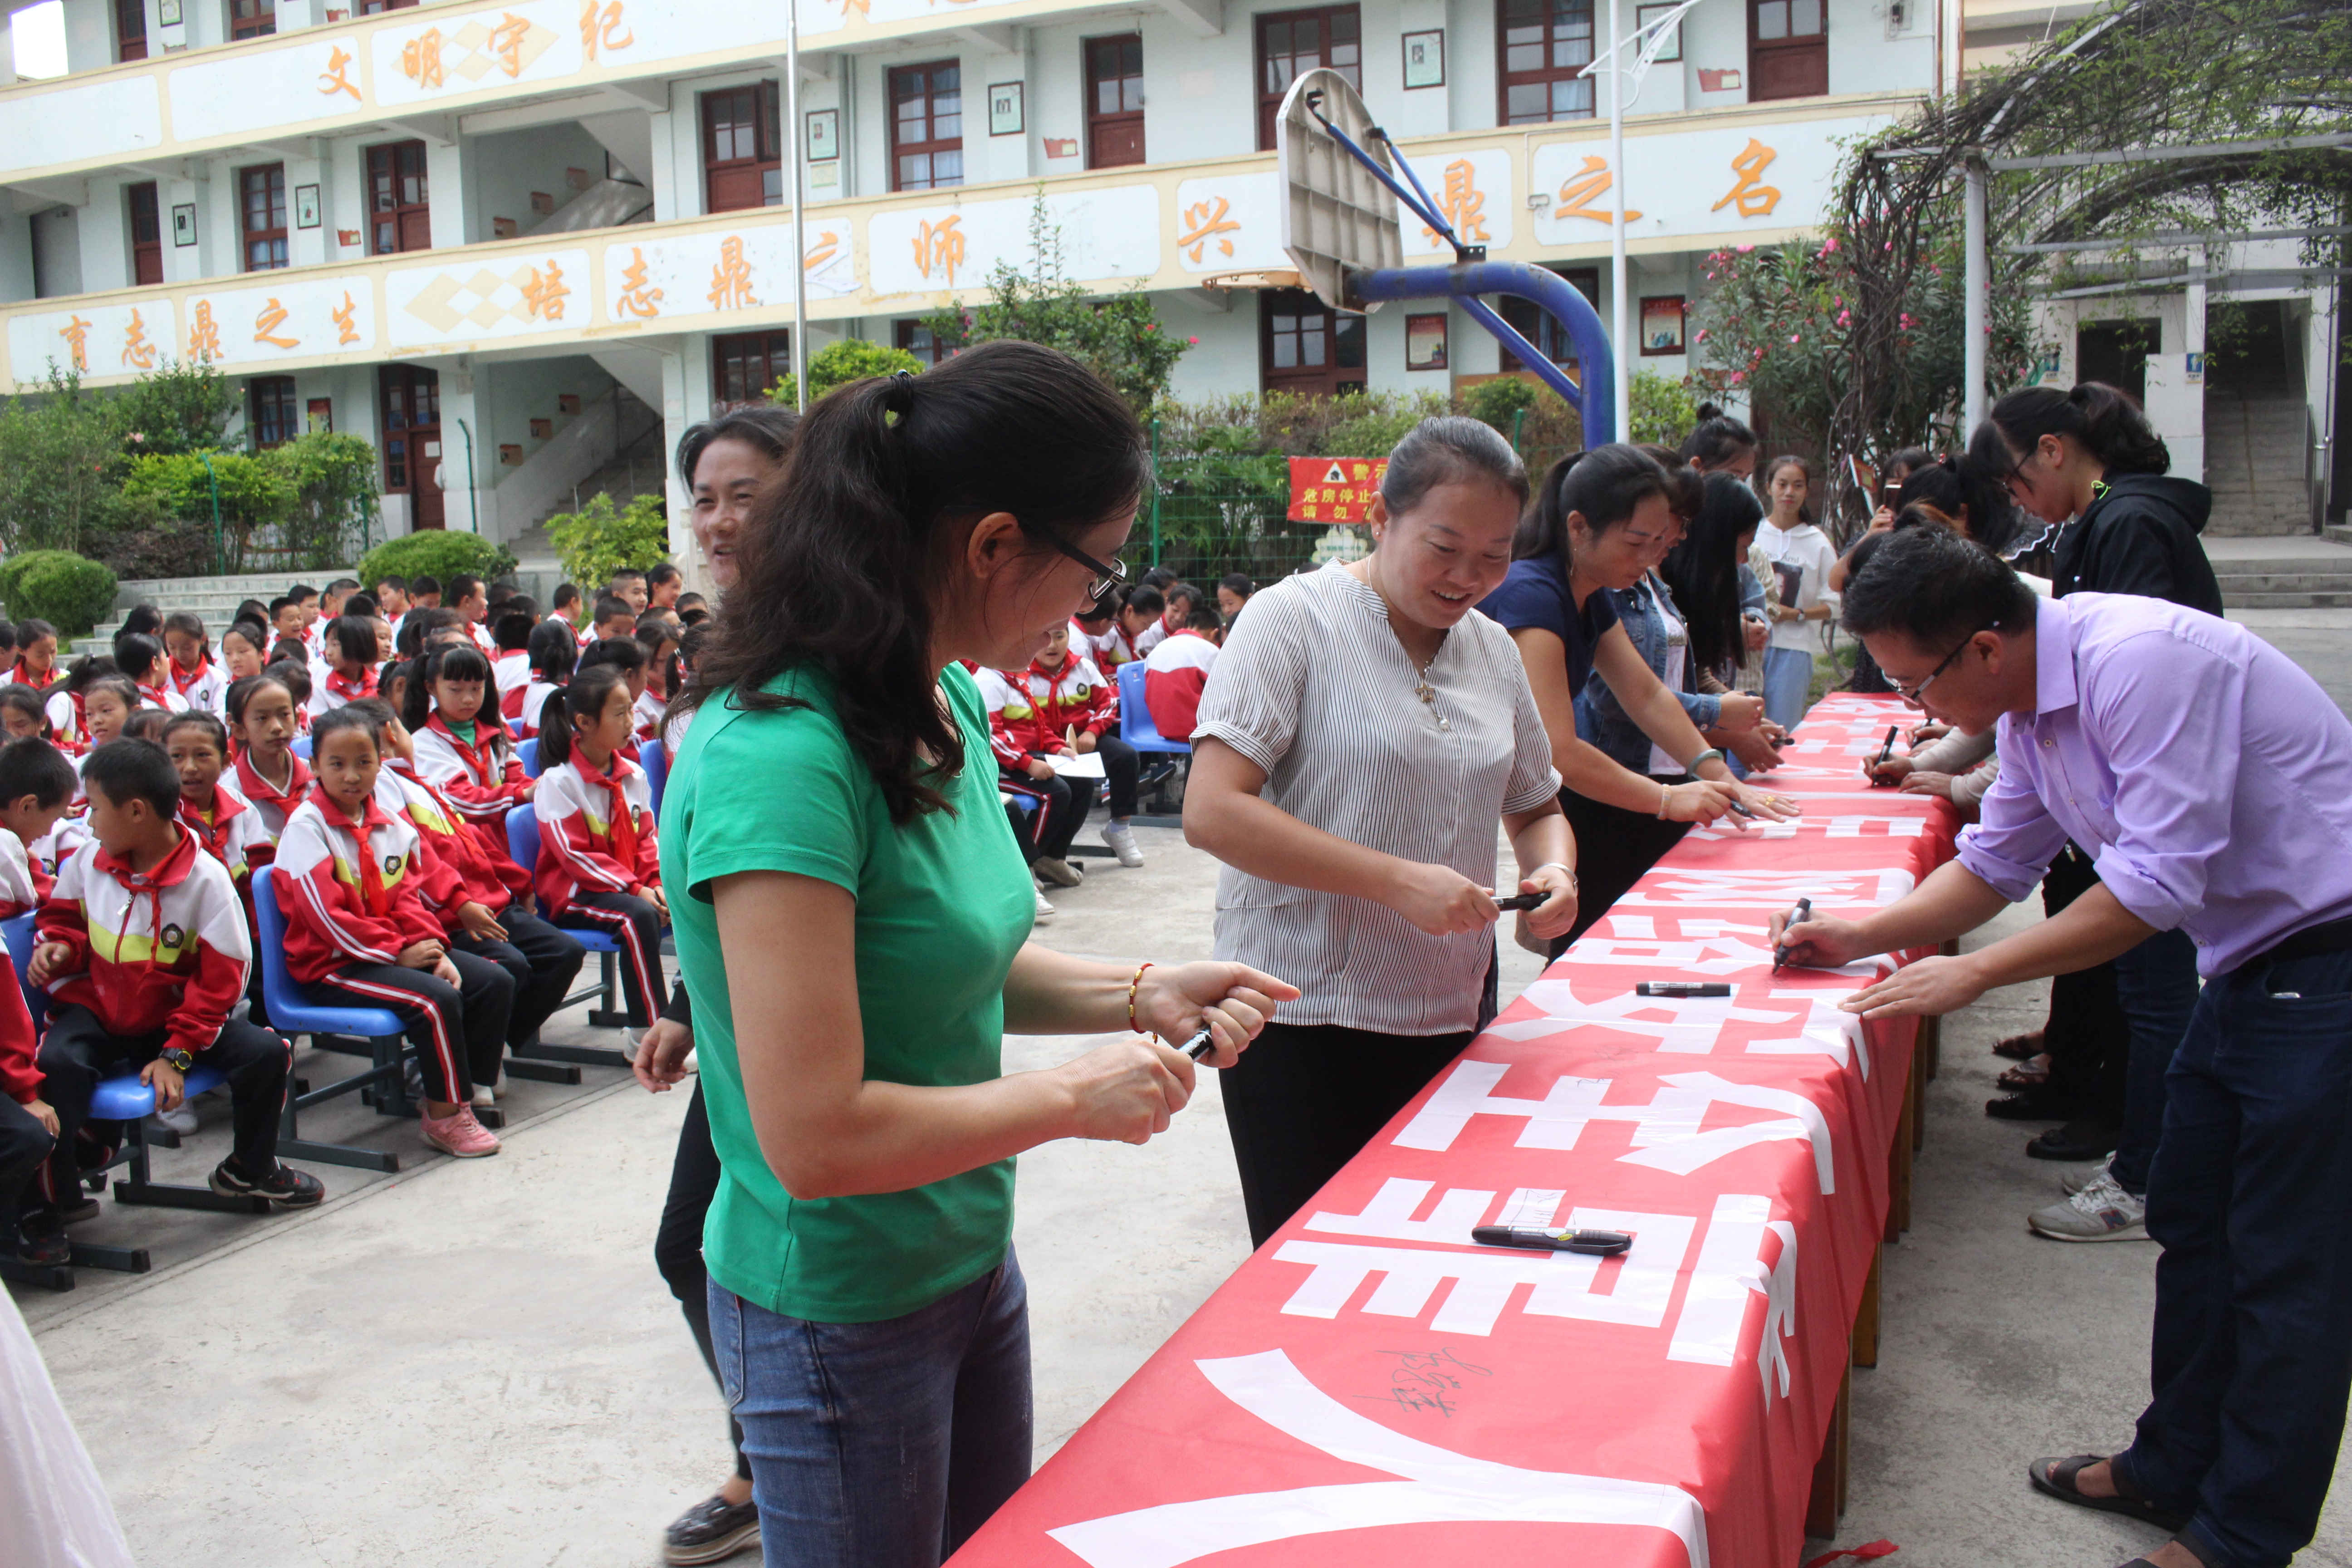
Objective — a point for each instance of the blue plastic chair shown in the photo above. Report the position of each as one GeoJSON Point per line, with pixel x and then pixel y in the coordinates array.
{"type": "Point", "coordinates": [1136, 728]}
{"type": "Point", "coordinates": [301, 747]}
{"type": "Point", "coordinates": [526, 754]}
{"type": "Point", "coordinates": [522, 843]}
{"type": "Point", "coordinates": [291, 1013]}
{"type": "Point", "coordinates": [654, 757]}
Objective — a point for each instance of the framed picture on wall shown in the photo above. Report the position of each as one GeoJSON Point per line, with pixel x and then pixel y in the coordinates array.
{"type": "Point", "coordinates": [1424, 59]}
{"type": "Point", "coordinates": [306, 206]}
{"type": "Point", "coordinates": [1424, 341]}
{"type": "Point", "coordinates": [167, 13]}
{"type": "Point", "coordinates": [824, 134]}
{"type": "Point", "coordinates": [1662, 324]}
{"type": "Point", "coordinates": [183, 224]}
{"type": "Point", "coordinates": [321, 414]}
{"type": "Point", "coordinates": [1672, 52]}
{"type": "Point", "coordinates": [1004, 109]}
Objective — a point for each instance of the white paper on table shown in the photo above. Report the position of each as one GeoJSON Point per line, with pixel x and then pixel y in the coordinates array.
{"type": "Point", "coordinates": [1088, 766]}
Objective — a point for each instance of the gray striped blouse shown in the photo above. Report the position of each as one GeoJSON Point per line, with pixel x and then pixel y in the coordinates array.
{"type": "Point", "coordinates": [1314, 687]}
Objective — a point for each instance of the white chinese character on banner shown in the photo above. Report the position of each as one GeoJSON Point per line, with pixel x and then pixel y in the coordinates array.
{"type": "Point", "coordinates": [1730, 1269]}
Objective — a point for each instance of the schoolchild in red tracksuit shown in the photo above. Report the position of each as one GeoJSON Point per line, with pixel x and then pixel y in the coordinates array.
{"type": "Point", "coordinates": [462, 746]}
{"type": "Point", "coordinates": [554, 653]}
{"type": "Point", "coordinates": [29, 1134]}
{"type": "Point", "coordinates": [1064, 704]}
{"type": "Point", "coordinates": [37, 787]}
{"type": "Point", "coordinates": [144, 952]}
{"type": "Point", "coordinates": [354, 882]}
{"type": "Point", "coordinates": [225, 824]}
{"type": "Point", "coordinates": [599, 869]}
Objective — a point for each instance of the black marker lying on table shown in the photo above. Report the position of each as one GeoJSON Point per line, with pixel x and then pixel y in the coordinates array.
{"type": "Point", "coordinates": [1601, 1243]}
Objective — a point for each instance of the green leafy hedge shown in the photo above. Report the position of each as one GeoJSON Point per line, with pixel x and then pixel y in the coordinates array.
{"type": "Point", "coordinates": [597, 540]}
{"type": "Point", "coordinates": [436, 553]}
{"type": "Point", "coordinates": [68, 591]}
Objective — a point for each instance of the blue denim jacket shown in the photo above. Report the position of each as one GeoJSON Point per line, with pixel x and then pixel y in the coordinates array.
{"type": "Point", "coordinates": [1611, 728]}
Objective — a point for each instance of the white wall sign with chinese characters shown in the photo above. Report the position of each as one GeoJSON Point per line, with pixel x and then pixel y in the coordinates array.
{"type": "Point", "coordinates": [691, 275]}
{"type": "Point", "coordinates": [458, 51]}
{"type": "Point", "coordinates": [239, 90]}
{"type": "Point", "coordinates": [296, 319]}
{"type": "Point", "coordinates": [88, 120]}
{"type": "Point", "coordinates": [1473, 190]}
{"type": "Point", "coordinates": [96, 341]}
{"type": "Point", "coordinates": [1230, 223]}
{"type": "Point", "coordinates": [1109, 234]}
{"type": "Point", "coordinates": [1766, 177]}
{"type": "Point", "coordinates": [517, 295]}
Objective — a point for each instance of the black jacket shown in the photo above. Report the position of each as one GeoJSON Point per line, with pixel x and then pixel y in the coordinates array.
{"type": "Point", "coordinates": [2141, 538]}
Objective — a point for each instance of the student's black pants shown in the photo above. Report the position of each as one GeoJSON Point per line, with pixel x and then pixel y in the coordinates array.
{"type": "Point", "coordinates": [636, 925]}
{"type": "Point", "coordinates": [1053, 822]}
{"type": "Point", "coordinates": [77, 1052]}
{"type": "Point", "coordinates": [540, 960]}
{"type": "Point", "coordinates": [24, 1146]}
{"type": "Point", "coordinates": [1120, 768]}
{"type": "Point", "coordinates": [1614, 850]}
{"type": "Point", "coordinates": [459, 1031]}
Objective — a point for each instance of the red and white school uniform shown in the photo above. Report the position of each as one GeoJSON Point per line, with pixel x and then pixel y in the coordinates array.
{"type": "Point", "coordinates": [206, 690]}
{"type": "Point", "coordinates": [231, 831]}
{"type": "Point", "coordinates": [648, 710]}
{"type": "Point", "coordinates": [997, 693]}
{"type": "Point", "coordinates": [24, 886]}
{"type": "Point", "coordinates": [166, 950]}
{"type": "Point", "coordinates": [1151, 637]}
{"type": "Point", "coordinates": [484, 777]}
{"type": "Point", "coordinates": [1106, 648]}
{"type": "Point", "coordinates": [68, 730]}
{"type": "Point", "coordinates": [480, 632]}
{"type": "Point", "coordinates": [331, 689]}
{"type": "Point", "coordinates": [528, 706]}
{"type": "Point", "coordinates": [20, 676]}
{"type": "Point", "coordinates": [1043, 705]}
{"type": "Point", "coordinates": [1172, 678]}
{"type": "Point", "coordinates": [271, 803]}
{"type": "Point", "coordinates": [511, 670]}
{"type": "Point", "coordinates": [596, 840]}
{"type": "Point", "coordinates": [163, 697]}
{"type": "Point", "coordinates": [49, 852]}
{"type": "Point", "coordinates": [485, 876]}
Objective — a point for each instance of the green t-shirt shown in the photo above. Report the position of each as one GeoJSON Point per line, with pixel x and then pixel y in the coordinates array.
{"type": "Point", "coordinates": [943, 904]}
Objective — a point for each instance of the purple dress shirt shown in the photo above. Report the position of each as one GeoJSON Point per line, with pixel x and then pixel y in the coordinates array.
{"type": "Point", "coordinates": [2209, 777]}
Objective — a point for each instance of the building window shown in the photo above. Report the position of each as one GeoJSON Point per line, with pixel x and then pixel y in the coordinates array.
{"type": "Point", "coordinates": [744, 365]}
{"type": "Point", "coordinates": [1788, 48]}
{"type": "Point", "coordinates": [1536, 324]}
{"type": "Point", "coordinates": [1292, 43]}
{"type": "Point", "coordinates": [926, 126]}
{"type": "Point", "coordinates": [1113, 101]}
{"type": "Point", "coordinates": [400, 215]}
{"type": "Point", "coordinates": [741, 167]}
{"type": "Point", "coordinates": [270, 411]}
{"type": "Point", "coordinates": [1306, 346]}
{"type": "Point", "coordinates": [130, 29]}
{"type": "Point", "coordinates": [411, 401]}
{"type": "Point", "coordinates": [262, 198]}
{"type": "Point", "coordinates": [146, 234]}
{"type": "Point", "coordinates": [1545, 44]}
{"type": "Point", "coordinates": [915, 338]}
{"type": "Point", "coordinates": [252, 18]}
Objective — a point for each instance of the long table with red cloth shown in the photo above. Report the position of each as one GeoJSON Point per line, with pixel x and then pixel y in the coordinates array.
{"type": "Point", "coordinates": [1373, 1387]}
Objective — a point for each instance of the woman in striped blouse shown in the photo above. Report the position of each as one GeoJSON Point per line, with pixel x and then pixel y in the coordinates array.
{"type": "Point", "coordinates": [1362, 732]}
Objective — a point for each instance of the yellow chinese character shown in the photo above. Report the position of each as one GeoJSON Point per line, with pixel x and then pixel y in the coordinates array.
{"type": "Point", "coordinates": [731, 280]}
{"type": "Point", "coordinates": [941, 244]}
{"type": "Point", "coordinates": [204, 335]}
{"type": "Point", "coordinates": [136, 349]}
{"type": "Point", "coordinates": [1577, 194]}
{"type": "Point", "coordinates": [596, 31]}
{"type": "Point", "coordinates": [636, 298]}
{"type": "Point", "coordinates": [332, 80]}
{"type": "Point", "coordinates": [420, 58]}
{"type": "Point", "coordinates": [1461, 202]}
{"type": "Point", "coordinates": [271, 318]}
{"type": "Point", "coordinates": [1205, 225]}
{"type": "Point", "coordinates": [1307, 512]}
{"type": "Point", "coordinates": [346, 320]}
{"type": "Point", "coordinates": [75, 333]}
{"type": "Point", "coordinates": [1754, 197]}
{"type": "Point", "coordinates": [543, 294]}
{"type": "Point", "coordinates": [507, 40]}
{"type": "Point", "coordinates": [1364, 471]}
{"type": "Point", "coordinates": [827, 242]}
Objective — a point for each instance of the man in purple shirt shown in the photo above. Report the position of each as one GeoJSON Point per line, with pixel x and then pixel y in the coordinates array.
{"type": "Point", "coordinates": [2211, 780]}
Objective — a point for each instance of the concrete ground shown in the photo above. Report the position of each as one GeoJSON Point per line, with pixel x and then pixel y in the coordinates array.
{"type": "Point", "coordinates": [476, 1363]}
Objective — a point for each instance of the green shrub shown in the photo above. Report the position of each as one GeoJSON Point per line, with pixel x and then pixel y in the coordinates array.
{"type": "Point", "coordinates": [68, 592]}
{"type": "Point", "coordinates": [436, 553]}
{"type": "Point", "coordinates": [1497, 402]}
{"type": "Point", "coordinates": [1664, 408]}
{"type": "Point", "coordinates": [838, 364]}
{"type": "Point", "coordinates": [596, 540]}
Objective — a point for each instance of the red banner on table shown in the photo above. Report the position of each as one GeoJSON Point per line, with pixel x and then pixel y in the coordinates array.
{"type": "Point", "coordinates": [1334, 489]}
{"type": "Point", "coordinates": [1371, 1387]}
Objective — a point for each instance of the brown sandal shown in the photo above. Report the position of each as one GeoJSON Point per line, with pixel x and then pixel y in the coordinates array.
{"type": "Point", "coordinates": [2020, 1047]}
{"type": "Point", "coordinates": [2030, 1074]}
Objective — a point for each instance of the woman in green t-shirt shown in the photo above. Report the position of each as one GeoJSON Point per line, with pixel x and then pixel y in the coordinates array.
{"type": "Point", "coordinates": [854, 932]}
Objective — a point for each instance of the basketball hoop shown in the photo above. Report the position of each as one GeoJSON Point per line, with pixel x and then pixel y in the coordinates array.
{"type": "Point", "coordinates": [1337, 217]}
{"type": "Point", "coordinates": [1263, 277]}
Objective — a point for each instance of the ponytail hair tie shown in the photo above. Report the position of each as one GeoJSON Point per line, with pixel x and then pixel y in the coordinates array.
{"type": "Point", "coordinates": [899, 397]}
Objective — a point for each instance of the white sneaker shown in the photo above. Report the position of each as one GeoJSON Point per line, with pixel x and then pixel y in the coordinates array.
{"type": "Point", "coordinates": [484, 1097]}
{"type": "Point", "coordinates": [1060, 872]}
{"type": "Point", "coordinates": [1045, 909]}
{"type": "Point", "coordinates": [692, 1063]}
{"type": "Point", "coordinates": [1120, 838]}
{"type": "Point", "coordinates": [2100, 1212]}
{"type": "Point", "coordinates": [498, 1090]}
{"type": "Point", "coordinates": [181, 1121]}
{"type": "Point", "coordinates": [2081, 1177]}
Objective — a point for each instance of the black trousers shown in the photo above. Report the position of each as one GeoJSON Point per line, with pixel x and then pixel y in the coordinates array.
{"type": "Point", "coordinates": [459, 1031]}
{"type": "Point", "coordinates": [542, 960]}
{"type": "Point", "coordinates": [24, 1146]}
{"type": "Point", "coordinates": [77, 1051]}
{"type": "Point", "coordinates": [1614, 850]}
{"type": "Point", "coordinates": [1120, 768]}
{"type": "Point", "coordinates": [1305, 1097]}
{"type": "Point", "coordinates": [1046, 832]}
{"type": "Point", "coordinates": [2088, 1035]}
{"type": "Point", "coordinates": [677, 1245]}
{"type": "Point", "coordinates": [636, 925]}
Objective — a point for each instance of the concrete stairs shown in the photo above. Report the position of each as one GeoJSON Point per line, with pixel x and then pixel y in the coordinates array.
{"type": "Point", "coordinates": [213, 599]}
{"type": "Point", "coordinates": [2305, 572]}
{"type": "Point", "coordinates": [2256, 453]}
{"type": "Point", "coordinates": [639, 467]}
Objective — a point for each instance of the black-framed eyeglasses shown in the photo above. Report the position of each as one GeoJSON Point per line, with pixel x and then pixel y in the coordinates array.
{"type": "Point", "coordinates": [1912, 694]}
{"type": "Point", "coordinates": [1109, 574]}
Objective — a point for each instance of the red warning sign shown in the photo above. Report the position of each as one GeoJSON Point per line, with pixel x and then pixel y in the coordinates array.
{"type": "Point", "coordinates": [1334, 489]}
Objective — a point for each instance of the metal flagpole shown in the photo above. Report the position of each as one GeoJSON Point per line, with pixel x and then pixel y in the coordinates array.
{"type": "Point", "coordinates": [1617, 229]}
{"type": "Point", "coordinates": [1973, 280]}
{"type": "Point", "coordinates": [800, 188]}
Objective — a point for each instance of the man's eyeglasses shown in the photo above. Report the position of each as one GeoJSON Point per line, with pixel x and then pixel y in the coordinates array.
{"type": "Point", "coordinates": [1912, 694]}
{"type": "Point", "coordinates": [1109, 574]}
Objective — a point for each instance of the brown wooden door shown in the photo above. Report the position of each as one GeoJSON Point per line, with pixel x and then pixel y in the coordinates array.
{"type": "Point", "coordinates": [1305, 346]}
{"type": "Point", "coordinates": [740, 165]}
{"type": "Point", "coordinates": [1788, 48]}
{"type": "Point", "coordinates": [1292, 43]}
{"type": "Point", "coordinates": [129, 30]}
{"type": "Point", "coordinates": [400, 211]}
{"type": "Point", "coordinates": [146, 234]}
{"type": "Point", "coordinates": [926, 126]}
{"type": "Point", "coordinates": [1113, 101]}
{"type": "Point", "coordinates": [411, 400]}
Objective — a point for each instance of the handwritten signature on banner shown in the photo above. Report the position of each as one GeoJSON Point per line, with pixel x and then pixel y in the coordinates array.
{"type": "Point", "coordinates": [1424, 1380]}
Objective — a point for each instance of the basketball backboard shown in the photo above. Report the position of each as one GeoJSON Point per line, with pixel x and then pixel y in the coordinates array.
{"type": "Point", "coordinates": [1336, 217]}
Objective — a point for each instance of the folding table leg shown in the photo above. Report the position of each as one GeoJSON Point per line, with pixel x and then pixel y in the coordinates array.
{"type": "Point", "coordinates": [1866, 1319]}
{"type": "Point", "coordinates": [1826, 1502]}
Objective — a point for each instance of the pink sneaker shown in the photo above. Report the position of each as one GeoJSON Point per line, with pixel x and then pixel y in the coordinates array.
{"type": "Point", "coordinates": [459, 1134]}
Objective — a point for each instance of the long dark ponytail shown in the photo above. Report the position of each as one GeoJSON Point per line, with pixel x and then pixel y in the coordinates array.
{"type": "Point", "coordinates": [1703, 569]}
{"type": "Point", "coordinates": [1602, 485]}
{"type": "Point", "coordinates": [2104, 419]}
{"type": "Point", "coordinates": [842, 560]}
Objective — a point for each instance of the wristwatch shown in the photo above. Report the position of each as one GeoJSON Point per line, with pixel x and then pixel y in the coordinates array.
{"type": "Point", "coordinates": [180, 1061]}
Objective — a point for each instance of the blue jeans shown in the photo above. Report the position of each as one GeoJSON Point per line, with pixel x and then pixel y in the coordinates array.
{"type": "Point", "coordinates": [1787, 681]}
{"type": "Point", "coordinates": [880, 1444]}
{"type": "Point", "coordinates": [2155, 984]}
{"type": "Point", "coordinates": [2251, 1196]}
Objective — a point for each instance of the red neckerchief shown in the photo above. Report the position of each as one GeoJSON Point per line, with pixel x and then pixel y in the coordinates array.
{"type": "Point", "coordinates": [180, 682]}
{"type": "Point", "coordinates": [254, 787]}
{"type": "Point", "coordinates": [213, 835]}
{"type": "Point", "coordinates": [618, 821]}
{"type": "Point", "coordinates": [481, 758]}
{"type": "Point", "coordinates": [351, 691]}
{"type": "Point", "coordinates": [170, 872]}
{"type": "Point", "coordinates": [372, 892]}
{"type": "Point", "coordinates": [20, 676]}
{"type": "Point", "coordinates": [155, 694]}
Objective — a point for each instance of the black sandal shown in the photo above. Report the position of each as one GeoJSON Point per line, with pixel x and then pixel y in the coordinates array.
{"type": "Point", "coordinates": [2055, 1477]}
{"type": "Point", "coordinates": [2020, 1047]}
